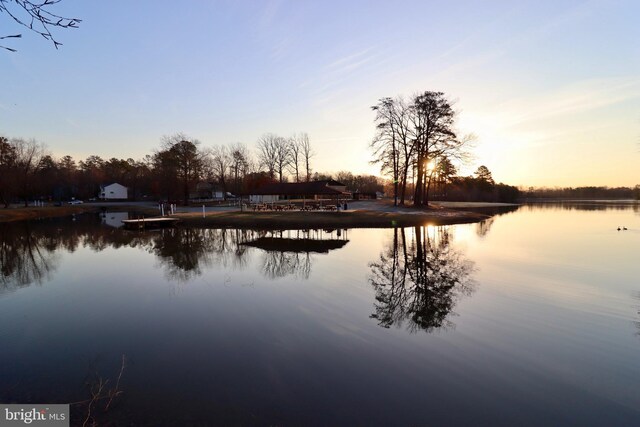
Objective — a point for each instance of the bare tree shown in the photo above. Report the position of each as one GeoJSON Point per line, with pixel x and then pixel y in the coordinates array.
{"type": "Point", "coordinates": [283, 158]}
{"type": "Point", "coordinates": [392, 132]}
{"type": "Point", "coordinates": [295, 153]}
{"type": "Point", "coordinates": [433, 122]}
{"type": "Point", "coordinates": [412, 136]}
{"type": "Point", "coordinates": [221, 161]}
{"type": "Point", "coordinates": [274, 155]}
{"type": "Point", "coordinates": [37, 17]}
{"type": "Point", "coordinates": [307, 154]}
{"type": "Point", "coordinates": [267, 149]}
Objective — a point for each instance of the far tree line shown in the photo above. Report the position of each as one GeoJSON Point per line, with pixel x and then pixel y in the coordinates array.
{"type": "Point", "coordinates": [444, 184]}
{"type": "Point", "coordinates": [587, 192]}
{"type": "Point", "coordinates": [29, 172]}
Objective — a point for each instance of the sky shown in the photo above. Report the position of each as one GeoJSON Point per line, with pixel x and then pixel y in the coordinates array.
{"type": "Point", "coordinates": [550, 89]}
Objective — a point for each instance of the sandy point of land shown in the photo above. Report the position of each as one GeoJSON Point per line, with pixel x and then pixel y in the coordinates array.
{"type": "Point", "coordinates": [369, 214]}
{"type": "Point", "coordinates": [360, 214]}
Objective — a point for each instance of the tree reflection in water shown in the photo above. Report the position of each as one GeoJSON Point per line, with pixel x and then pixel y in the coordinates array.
{"type": "Point", "coordinates": [27, 255]}
{"type": "Point", "coordinates": [29, 251]}
{"type": "Point", "coordinates": [184, 252]}
{"type": "Point", "coordinates": [418, 279]}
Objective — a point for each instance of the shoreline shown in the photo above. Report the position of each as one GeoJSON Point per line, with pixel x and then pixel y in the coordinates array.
{"type": "Point", "coordinates": [305, 220]}
{"type": "Point", "coordinates": [358, 218]}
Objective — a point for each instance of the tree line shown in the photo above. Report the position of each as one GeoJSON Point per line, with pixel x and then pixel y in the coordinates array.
{"type": "Point", "coordinates": [28, 171]}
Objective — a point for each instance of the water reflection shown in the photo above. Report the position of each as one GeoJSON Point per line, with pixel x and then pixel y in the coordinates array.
{"type": "Point", "coordinates": [483, 227]}
{"type": "Point", "coordinates": [589, 205]}
{"type": "Point", "coordinates": [29, 250]}
{"type": "Point", "coordinates": [27, 255]}
{"type": "Point", "coordinates": [290, 252]}
{"type": "Point", "coordinates": [418, 279]}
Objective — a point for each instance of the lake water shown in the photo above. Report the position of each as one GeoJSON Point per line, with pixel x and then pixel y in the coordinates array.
{"type": "Point", "coordinates": [529, 318]}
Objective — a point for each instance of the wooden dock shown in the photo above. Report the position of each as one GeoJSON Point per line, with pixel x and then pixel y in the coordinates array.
{"type": "Point", "coordinates": [154, 222]}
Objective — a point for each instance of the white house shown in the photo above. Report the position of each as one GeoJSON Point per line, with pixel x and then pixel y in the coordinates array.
{"type": "Point", "coordinates": [113, 191]}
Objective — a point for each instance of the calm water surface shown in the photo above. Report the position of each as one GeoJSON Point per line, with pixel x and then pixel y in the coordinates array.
{"type": "Point", "coordinates": [530, 318]}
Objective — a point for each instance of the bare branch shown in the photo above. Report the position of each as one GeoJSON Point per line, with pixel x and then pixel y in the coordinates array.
{"type": "Point", "coordinates": [37, 17]}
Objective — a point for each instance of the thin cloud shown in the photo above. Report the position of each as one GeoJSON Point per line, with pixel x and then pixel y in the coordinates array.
{"type": "Point", "coordinates": [269, 13]}
{"type": "Point", "coordinates": [577, 98]}
{"type": "Point", "coordinates": [351, 62]}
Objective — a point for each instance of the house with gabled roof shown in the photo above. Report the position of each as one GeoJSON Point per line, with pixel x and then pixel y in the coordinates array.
{"type": "Point", "coordinates": [113, 191]}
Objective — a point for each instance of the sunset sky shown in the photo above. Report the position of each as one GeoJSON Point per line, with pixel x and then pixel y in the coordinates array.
{"type": "Point", "coordinates": [551, 89]}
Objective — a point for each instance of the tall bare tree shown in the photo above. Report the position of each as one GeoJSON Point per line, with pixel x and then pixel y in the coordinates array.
{"type": "Point", "coordinates": [306, 154]}
{"type": "Point", "coordinates": [295, 154]}
{"type": "Point", "coordinates": [273, 152]}
{"type": "Point", "coordinates": [386, 143]}
{"type": "Point", "coordinates": [410, 136]}
{"type": "Point", "coordinates": [267, 152]}
{"type": "Point", "coordinates": [221, 162]}
{"type": "Point", "coordinates": [283, 157]}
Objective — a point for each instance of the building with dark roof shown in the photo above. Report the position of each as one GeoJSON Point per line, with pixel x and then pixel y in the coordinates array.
{"type": "Point", "coordinates": [325, 189]}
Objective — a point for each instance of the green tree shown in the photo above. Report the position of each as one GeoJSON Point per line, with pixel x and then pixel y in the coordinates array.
{"type": "Point", "coordinates": [484, 174]}
{"type": "Point", "coordinates": [28, 154]}
{"type": "Point", "coordinates": [7, 169]}
{"type": "Point", "coordinates": [180, 160]}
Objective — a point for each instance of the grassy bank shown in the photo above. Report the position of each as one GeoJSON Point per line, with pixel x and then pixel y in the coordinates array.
{"type": "Point", "coordinates": [303, 220]}
{"type": "Point", "coordinates": [20, 214]}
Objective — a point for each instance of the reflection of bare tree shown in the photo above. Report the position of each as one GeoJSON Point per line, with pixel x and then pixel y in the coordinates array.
{"type": "Point", "coordinates": [419, 280]}
{"type": "Point", "coordinates": [26, 256]}
{"type": "Point", "coordinates": [181, 252]}
{"type": "Point", "coordinates": [185, 251]}
{"type": "Point", "coordinates": [483, 227]}
{"type": "Point", "coordinates": [280, 264]}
